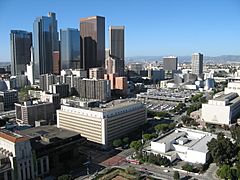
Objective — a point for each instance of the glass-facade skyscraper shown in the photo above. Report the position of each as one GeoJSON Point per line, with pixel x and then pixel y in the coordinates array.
{"type": "Point", "coordinates": [70, 48]}
{"type": "Point", "coordinates": [116, 37]}
{"type": "Point", "coordinates": [45, 43]}
{"type": "Point", "coordinates": [92, 34]}
{"type": "Point", "coordinates": [20, 45]}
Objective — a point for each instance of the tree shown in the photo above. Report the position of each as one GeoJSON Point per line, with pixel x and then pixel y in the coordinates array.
{"type": "Point", "coordinates": [222, 149]}
{"type": "Point", "coordinates": [188, 121]}
{"type": "Point", "coordinates": [125, 140]}
{"type": "Point", "coordinates": [235, 132]}
{"type": "Point", "coordinates": [117, 142]}
{"type": "Point", "coordinates": [130, 170]}
{"type": "Point", "coordinates": [164, 127]}
{"type": "Point", "coordinates": [152, 158]}
{"type": "Point", "coordinates": [136, 145]}
{"type": "Point", "coordinates": [147, 137]}
{"type": "Point", "coordinates": [188, 167]}
{"type": "Point", "coordinates": [65, 177]}
{"type": "Point", "coordinates": [196, 97]}
{"type": "Point", "coordinates": [176, 175]}
{"type": "Point", "coordinates": [224, 172]}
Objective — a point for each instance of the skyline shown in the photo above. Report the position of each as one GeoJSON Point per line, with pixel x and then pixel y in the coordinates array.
{"type": "Point", "coordinates": [156, 29]}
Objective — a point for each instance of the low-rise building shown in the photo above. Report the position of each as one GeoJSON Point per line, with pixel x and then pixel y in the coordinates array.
{"type": "Point", "coordinates": [54, 149]}
{"type": "Point", "coordinates": [30, 111]}
{"type": "Point", "coordinates": [224, 109]}
{"type": "Point", "coordinates": [232, 87]}
{"type": "Point", "coordinates": [9, 97]}
{"type": "Point", "coordinates": [17, 149]}
{"type": "Point", "coordinates": [185, 144]}
{"type": "Point", "coordinates": [102, 125]}
{"type": "Point", "coordinates": [38, 152]}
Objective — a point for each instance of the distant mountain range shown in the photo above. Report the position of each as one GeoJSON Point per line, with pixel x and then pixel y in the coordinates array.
{"type": "Point", "coordinates": [207, 59]}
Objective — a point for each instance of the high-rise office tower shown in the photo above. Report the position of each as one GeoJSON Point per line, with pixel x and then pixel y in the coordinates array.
{"type": "Point", "coordinates": [45, 43]}
{"type": "Point", "coordinates": [92, 34]}
{"type": "Point", "coordinates": [117, 48]}
{"type": "Point", "coordinates": [70, 48]}
{"type": "Point", "coordinates": [197, 63]}
{"type": "Point", "coordinates": [20, 45]}
{"type": "Point", "coordinates": [170, 63]}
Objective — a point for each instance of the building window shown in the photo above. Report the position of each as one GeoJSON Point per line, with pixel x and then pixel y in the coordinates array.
{"type": "Point", "coordinates": [45, 165]}
{"type": "Point", "coordinates": [39, 167]}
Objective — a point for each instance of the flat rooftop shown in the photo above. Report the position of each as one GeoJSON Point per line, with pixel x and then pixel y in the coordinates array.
{"type": "Point", "coordinates": [49, 132]}
{"type": "Point", "coordinates": [225, 97]}
{"type": "Point", "coordinates": [12, 136]}
{"type": "Point", "coordinates": [197, 140]}
{"type": "Point", "coordinates": [111, 105]}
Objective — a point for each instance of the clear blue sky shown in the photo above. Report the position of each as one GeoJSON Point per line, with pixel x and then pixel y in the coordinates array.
{"type": "Point", "coordinates": [153, 27]}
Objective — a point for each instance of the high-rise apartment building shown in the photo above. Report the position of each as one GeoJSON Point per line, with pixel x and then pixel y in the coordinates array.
{"type": "Point", "coordinates": [197, 63]}
{"type": "Point", "coordinates": [98, 89]}
{"type": "Point", "coordinates": [170, 63]}
{"type": "Point", "coordinates": [116, 36]}
{"type": "Point", "coordinates": [20, 45]}
{"type": "Point", "coordinates": [92, 36]}
{"type": "Point", "coordinates": [96, 73]}
{"type": "Point", "coordinates": [45, 80]}
{"type": "Point", "coordinates": [45, 43]}
{"type": "Point", "coordinates": [70, 48]}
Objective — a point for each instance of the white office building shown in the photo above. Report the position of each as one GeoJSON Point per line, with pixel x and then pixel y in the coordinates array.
{"type": "Point", "coordinates": [105, 124]}
{"type": "Point", "coordinates": [185, 144]}
{"type": "Point", "coordinates": [233, 87]}
{"type": "Point", "coordinates": [222, 110]}
{"type": "Point", "coordinates": [18, 150]}
{"type": "Point", "coordinates": [197, 63]}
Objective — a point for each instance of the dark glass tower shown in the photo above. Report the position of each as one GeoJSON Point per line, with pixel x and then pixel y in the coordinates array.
{"type": "Point", "coordinates": [117, 48]}
{"type": "Point", "coordinates": [70, 48]}
{"type": "Point", "coordinates": [20, 45]}
{"type": "Point", "coordinates": [92, 33]}
{"type": "Point", "coordinates": [45, 43]}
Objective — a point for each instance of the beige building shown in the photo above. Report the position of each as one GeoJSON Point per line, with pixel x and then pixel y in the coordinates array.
{"type": "Point", "coordinates": [102, 125]}
{"type": "Point", "coordinates": [16, 152]}
{"type": "Point", "coordinates": [96, 73]}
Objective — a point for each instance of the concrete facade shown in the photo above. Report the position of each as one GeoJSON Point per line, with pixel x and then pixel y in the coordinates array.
{"type": "Point", "coordinates": [186, 144]}
{"type": "Point", "coordinates": [222, 110]}
{"type": "Point", "coordinates": [102, 125]}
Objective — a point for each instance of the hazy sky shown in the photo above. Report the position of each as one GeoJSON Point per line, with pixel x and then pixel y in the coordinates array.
{"type": "Point", "coordinates": [153, 27]}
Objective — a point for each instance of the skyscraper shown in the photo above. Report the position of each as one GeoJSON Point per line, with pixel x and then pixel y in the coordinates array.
{"type": "Point", "coordinates": [170, 63]}
{"type": "Point", "coordinates": [197, 63]}
{"type": "Point", "coordinates": [20, 45]}
{"type": "Point", "coordinates": [45, 43]}
{"type": "Point", "coordinates": [70, 48]}
{"type": "Point", "coordinates": [117, 48]}
{"type": "Point", "coordinates": [92, 32]}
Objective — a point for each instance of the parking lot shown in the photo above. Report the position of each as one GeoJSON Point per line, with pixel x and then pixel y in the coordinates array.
{"type": "Point", "coordinates": [160, 106]}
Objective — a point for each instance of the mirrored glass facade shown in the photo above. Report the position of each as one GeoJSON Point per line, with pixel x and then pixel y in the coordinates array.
{"type": "Point", "coordinates": [70, 48]}
{"type": "Point", "coordinates": [20, 45]}
{"type": "Point", "coordinates": [45, 43]}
